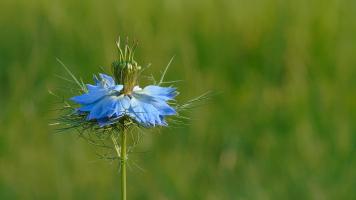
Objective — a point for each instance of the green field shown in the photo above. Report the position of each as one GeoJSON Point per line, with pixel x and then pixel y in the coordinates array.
{"type": "Point", "coordinates": [281, 125]}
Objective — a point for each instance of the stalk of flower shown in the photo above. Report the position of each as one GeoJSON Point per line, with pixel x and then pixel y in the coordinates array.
{"type": "Point", "coordinates": [115, 106]}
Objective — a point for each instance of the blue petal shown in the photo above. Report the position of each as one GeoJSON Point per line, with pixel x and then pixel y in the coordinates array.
{"type": "Point", "coordinates": [158, 103]}
{"type": "Point", "coordinates": [117, 88]}
{"type": "Point", "coordinates": [164, 93]}
{"type": "Point", "coordinates": [164, 108]}
{"type": "Point", "coordinates": [122, 105]}
{"type": "Point", "coordinates": [137, 112]}
{"type": "Point", "coordinates": [86, 108]}
{"type": "Point", "coordinates": [104, 108]}
{"type": "Point", "coordinates": [96, 92]}
{"type": "Point", "coordinates": [144, 113]}
{"type": "Point", "coordinates": [107, 80]}
{"type": "Point", "coordinates": [92, 87]}
{"type": "Point", "coordinates": [95, 88]}
{"type": "Point", "coordinates": [90, 97]}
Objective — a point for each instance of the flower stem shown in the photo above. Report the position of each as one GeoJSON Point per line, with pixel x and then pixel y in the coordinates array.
{"type": "Point", "coordinates": [123, 165]}
{"type": "Point", "coordinates": [121, 153]}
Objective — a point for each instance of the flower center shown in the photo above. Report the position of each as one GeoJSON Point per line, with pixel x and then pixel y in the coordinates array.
{"type": "Point", "coordinates": [126, 69]}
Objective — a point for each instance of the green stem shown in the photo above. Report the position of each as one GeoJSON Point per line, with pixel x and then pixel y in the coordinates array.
{"type": "Point", "coordinates": [123, 165]}
{"type": "Point", "coordinates": [121, 152]}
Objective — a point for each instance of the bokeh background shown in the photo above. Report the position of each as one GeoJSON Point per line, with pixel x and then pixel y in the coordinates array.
{"type": "Point", "coordinates": [282, 124]}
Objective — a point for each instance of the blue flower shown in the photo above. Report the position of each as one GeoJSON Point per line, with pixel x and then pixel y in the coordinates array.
{"type": "Point", "coordinates": [105, 103]}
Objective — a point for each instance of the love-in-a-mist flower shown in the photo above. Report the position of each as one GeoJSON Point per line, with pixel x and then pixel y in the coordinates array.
{"type": "Point", "coordinates": [115, 106]}
{"type": "Point", "coordinates": [112, 99]}
{"type": "Point", "coordinates": [108, 102]}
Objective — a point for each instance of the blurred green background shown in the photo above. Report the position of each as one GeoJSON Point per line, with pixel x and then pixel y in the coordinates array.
{"type": "Point", "coordinates": [282, 126]}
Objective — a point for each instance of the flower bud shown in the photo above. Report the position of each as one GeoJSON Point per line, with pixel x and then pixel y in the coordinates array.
{"type": "Point", "coordinates": [126, 69]}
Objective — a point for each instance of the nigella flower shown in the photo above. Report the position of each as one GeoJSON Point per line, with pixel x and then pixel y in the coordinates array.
{"type": "Point", "coordinates": [115, 106]}
{"type": "Point", "coordinates": [108, 102]}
